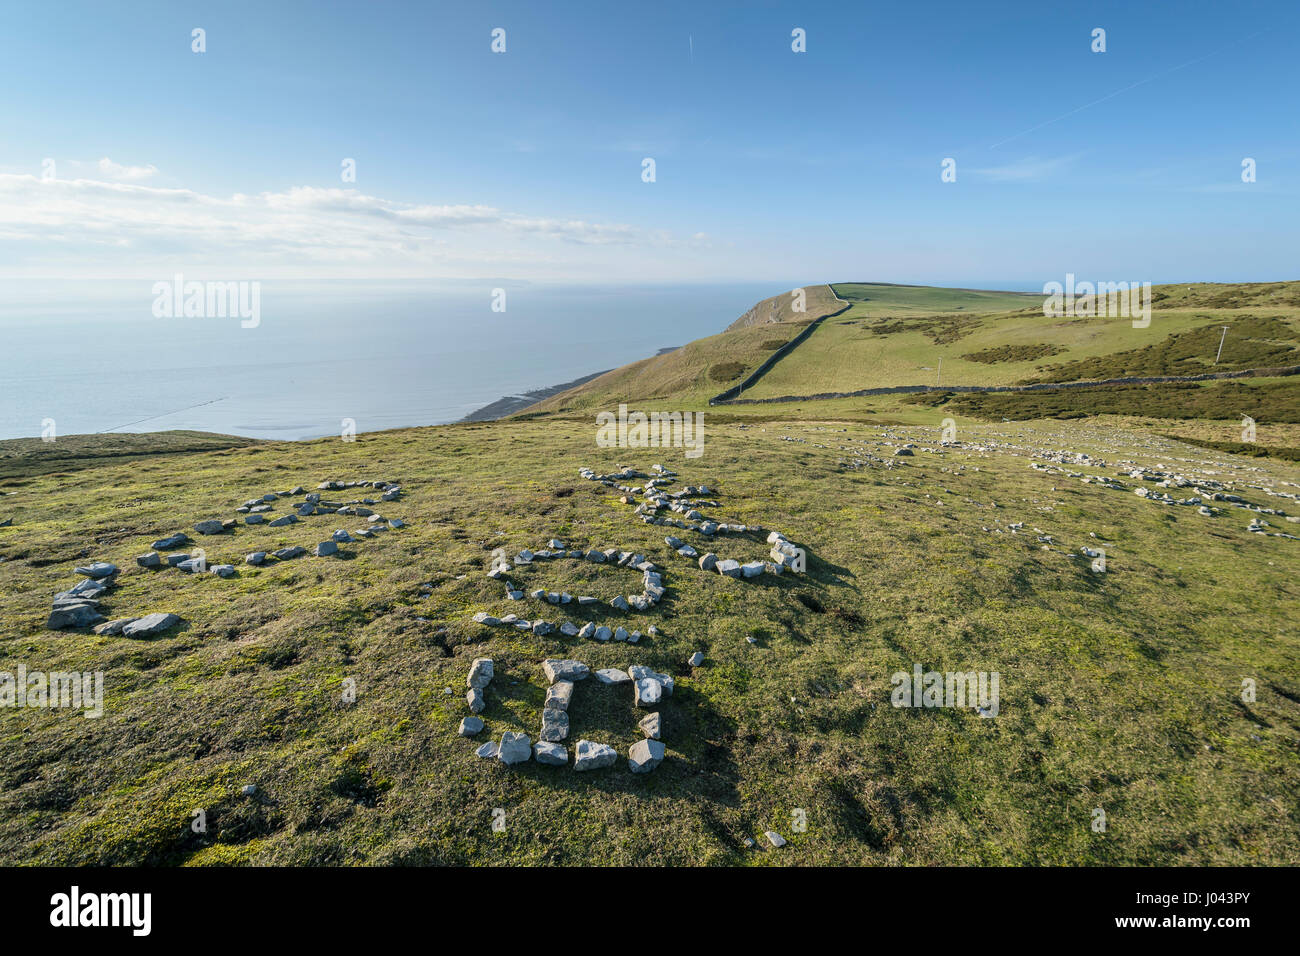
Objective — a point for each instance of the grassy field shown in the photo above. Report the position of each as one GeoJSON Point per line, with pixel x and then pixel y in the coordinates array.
{"type": "Point", "coordinates": [24, 456]}
{"type": "Point", "coordinates": [872, 346]}
{"type": "Point", "coordinates": [689, 376]}
{"type": "Point", "coordinates": [1119, 691]}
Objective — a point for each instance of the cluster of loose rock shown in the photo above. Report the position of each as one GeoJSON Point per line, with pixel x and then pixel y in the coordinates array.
{"type": "Point", "coordinates": [651, 580]}
{"type": "Point", "coordinates": [542, 628]}
{"type": "Point", "coordinates": [79, 606]}
{"type": "Point", "coordinates": [1207, 492]}
{"type": "Point", "coordinates": [649, 688]}
{"type": "Point", "coordinates": [784, 553]}
{"type": "Point", "coordinates": [256, 511]}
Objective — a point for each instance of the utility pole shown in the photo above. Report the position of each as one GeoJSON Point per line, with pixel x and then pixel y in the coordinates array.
{"type": "Point", "coordinates": [1221, 338]}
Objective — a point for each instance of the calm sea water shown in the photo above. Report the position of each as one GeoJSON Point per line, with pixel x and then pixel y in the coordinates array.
{"type": "Point", "coordinates": [92, 356]}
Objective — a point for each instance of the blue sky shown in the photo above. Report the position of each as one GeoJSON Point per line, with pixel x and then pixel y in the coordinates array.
{"type": "Point", "coordinates": [770, 164]}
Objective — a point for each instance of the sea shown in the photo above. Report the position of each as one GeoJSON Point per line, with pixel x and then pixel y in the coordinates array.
{"type": "Point", "coordinates": [79, 357]}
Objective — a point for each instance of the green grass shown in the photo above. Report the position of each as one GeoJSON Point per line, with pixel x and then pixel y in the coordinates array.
{"type": "Point", "coordinates": [873, 346]}
{"type": "Point", "coordinates": [1251, 341]}
{"type": "Point", "coordinates": [1119, 691]}
{"type": "Point", "coordinates": [1264, 399]}
{"type": "Point", "coordinates": [33, 456]}
{"type": "Point", "coordinates": [880, 298]}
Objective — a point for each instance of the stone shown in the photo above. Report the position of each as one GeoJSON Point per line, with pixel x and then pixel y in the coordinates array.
{"type": "Point", "coordinates": [649, 692]}
{"type": "Point", "coordinates": [708, 561]}
{"type": "Point", "coordinates": [551, 754]}
{"type": "Point", "coordinates": [638, 671]}
{"type": "Point", "coordinates": [603, 633]}
{"type": "Point", "coordinates": [596, 556]}
{"type": "Point", "coordinates": [651, 725]}
{"type": "Point", "coordinates": [171, 541]}
{"type": "Point", "coordinates": [619, 603]}
{"type": "Point", "coordinates": [543, 628]}
{"type": "Point", "coordinates": [480, 673]}
{"type": "Point", "coordinates": [396, 523]}
{"type": "Point", "coordinates": [76, 615]}
{"type": "Point", "coordinates": [151, 624]}
{"type": "Point", "coordinates": [514, 748]}
{"type": "Point", "coordinates": [223, 570]}
{"type": "Point", "coordinates": [483, 617]}
{"type": "Point", "coordinates": [559, 694]}
{"type": "Point", "coordinates": [151, 560]}
{"type": "Point", "coordinates": [113, 628]}
{"type": "Point", "coordinates": [174, 560]}
{"type": "Point", "coordinates": [686, 551]}
{"type": "Point", "coordinates": [474, 698]}
{"type": "Point", "coordinates": [569, 629]}
{"type": "Point", "coordinates": [555, 725]}
{"type": "Point", "coordinates": [257, 557]}
{"type": "Point", "coordinates": [99, 569]}
{"type": "Point", "coordinates": [282, 521]}
{"type": "Point", "coordinates": [590, 755]}
{"type": "Point", "coordinates": [645, 755]}
{"type": "Point", "coordinates": [612, 675]}
{"type": "Point", "coordinates": [284, 554]}
{"type": "Point", "coordinates": [209, 527]}
{"type": "Point", "coordinates": [753, 569]}
{"type": "Point", "coordinates": [193, 565]}
{"type": "Point", "coordinates": [898, 453]}
{"type": "Point", "coordinates": [253, 519]}
{"type": "Point", "coordinates": [729, 567]}
{"type": "Point", "coordinates": [773, 837]}
{"type": "Point", "coordinates": [620, 633]}
{"type": "Point", "coordinates": [326, 548]}
{"type": "Point", "coordinates": [488, 750]}
{"type": "Point", "coordinates": [696, 659]}
{"type": "Point", "coordinates": [558, 670]}
{"type": "Point", "coordinates": [470, 726]}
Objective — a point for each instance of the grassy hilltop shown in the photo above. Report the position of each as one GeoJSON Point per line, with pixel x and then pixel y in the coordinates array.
{"type": "Point", "coordinates": [1119, 690]}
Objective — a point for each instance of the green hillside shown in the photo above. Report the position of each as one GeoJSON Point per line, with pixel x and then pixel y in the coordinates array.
{"type": "Point", "coordinates": [950, 531]}
{"type": "Point", "coordinates": [873, 349]}
{"type": "Point", "coordinates": [1119, 691]}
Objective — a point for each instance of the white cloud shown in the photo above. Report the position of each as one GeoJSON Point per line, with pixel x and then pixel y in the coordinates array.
{"type": "Point", "coordinates": [89, 226]}
{"type": "Point", "coordinates": [130, 174]}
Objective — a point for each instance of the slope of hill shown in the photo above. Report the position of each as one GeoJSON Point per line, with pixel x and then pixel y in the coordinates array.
{"type": "Point", "coordinates": [816, 300]}
{"type": "Point", "coordinates": [1122, 585]}
{"type": "Point", "coordinates": [1119, 690]}
{"type": "Point", "coordinates": [701, 368]}
{"type": "Point", "coordinates": [867, 349]}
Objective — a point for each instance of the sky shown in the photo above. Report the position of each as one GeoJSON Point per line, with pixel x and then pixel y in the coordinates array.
{"type": "Point", "coordinates": [126, 154]}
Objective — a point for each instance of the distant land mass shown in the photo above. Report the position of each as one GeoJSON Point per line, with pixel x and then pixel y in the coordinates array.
{"type": "Point", "coordinates": [510, 404]}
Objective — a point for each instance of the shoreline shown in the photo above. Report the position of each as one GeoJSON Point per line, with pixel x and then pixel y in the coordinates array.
{"type": "Point", "coordinates": [510, 404]}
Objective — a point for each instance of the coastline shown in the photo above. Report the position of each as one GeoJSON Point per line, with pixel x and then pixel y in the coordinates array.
{"type": "Point", "coordinates": [510, 404]}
